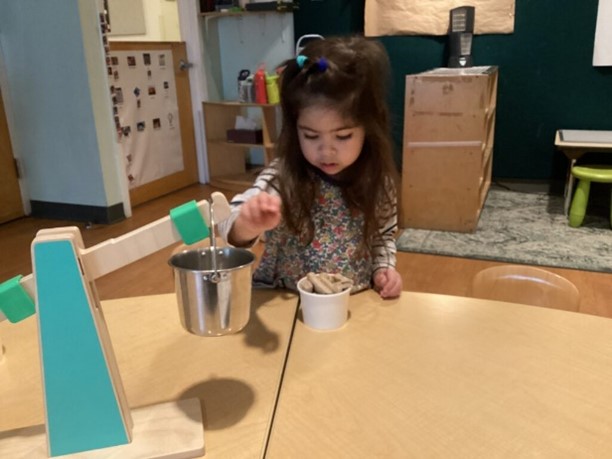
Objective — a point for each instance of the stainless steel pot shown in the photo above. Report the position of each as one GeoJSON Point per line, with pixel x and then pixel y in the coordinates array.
{"type": "Point", "coordinates": [214, 292]}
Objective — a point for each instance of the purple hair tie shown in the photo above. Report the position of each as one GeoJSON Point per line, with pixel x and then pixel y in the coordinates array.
{"type": "Point", "coordinates": [322, 64]}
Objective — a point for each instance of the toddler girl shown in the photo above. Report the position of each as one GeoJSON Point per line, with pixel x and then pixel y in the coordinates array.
{"type": "Point", "coordinates": [328, 202]}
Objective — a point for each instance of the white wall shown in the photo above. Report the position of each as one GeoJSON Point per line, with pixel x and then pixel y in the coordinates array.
{"type": "Point", "coordinates": [111, 157]}
{"type": "Point", "coordinates": [161, 21]}
{"type": "Point", "coordinates": [248, 40]}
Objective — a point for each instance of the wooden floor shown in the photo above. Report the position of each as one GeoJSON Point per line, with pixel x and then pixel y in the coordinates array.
{"type": "Point", "coordinates": [152, 275]}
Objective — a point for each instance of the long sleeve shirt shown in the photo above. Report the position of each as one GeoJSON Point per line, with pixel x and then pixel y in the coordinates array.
{"type": "Point", "coordinates": [335, 247]}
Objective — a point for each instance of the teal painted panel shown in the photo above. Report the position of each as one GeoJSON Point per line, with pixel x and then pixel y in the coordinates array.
{"type": "Point", "coordinates": [83, 412]}
{"type": "Point", "coordinates": [53, 129]}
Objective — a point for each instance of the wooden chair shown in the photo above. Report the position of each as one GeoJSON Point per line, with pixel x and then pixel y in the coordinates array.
{"type": "Point", "coordinates": [525, 285]}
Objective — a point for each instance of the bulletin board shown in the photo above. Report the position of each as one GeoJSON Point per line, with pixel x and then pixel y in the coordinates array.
{"type": "Point", "coordinates": [146, 113]}
{"type": "Point", "coordinates": [431, 17]}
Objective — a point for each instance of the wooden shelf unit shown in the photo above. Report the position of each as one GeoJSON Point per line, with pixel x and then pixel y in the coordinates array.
{"type": "Point", "coordinates": [227, 161]}
{"type": "Point", "coordinates": [449, 126]}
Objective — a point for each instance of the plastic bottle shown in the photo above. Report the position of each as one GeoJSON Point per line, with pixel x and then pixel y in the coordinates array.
{"type": "Point", "coordinates": [249, 89]}
{"type": "Point", "coordinates": [272, 89]}
{"type": "Point", "coordinates": [243, 95]}
{"type": "Point", "coordinates": [259, 81]}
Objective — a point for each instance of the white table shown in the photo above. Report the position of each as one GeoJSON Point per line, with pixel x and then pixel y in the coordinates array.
{"type": "Point", "coordinates": [236, 377]}
{"type": "Point", "coordinates": [447, 377]}
{"type": "Point", "coordinates": [421, 376]}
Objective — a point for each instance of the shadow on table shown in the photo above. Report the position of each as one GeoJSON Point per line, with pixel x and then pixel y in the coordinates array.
{"type": "Point", "coordinates": [224, 401]}
{"type": "Point", "coordinates": [256, 334]}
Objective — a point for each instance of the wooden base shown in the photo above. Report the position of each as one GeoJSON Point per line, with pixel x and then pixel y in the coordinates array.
{"type": "Point", "coordinates": [167, 430]}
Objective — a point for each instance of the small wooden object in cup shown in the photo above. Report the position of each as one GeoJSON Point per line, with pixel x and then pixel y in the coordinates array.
{"type": "Point", "coordinates": [323, 311]}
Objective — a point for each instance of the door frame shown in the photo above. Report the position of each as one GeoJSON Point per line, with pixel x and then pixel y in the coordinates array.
{"type": "Point", "coordinates": [25, 197]}
{"type": "Point", "coordinates": [189, 25]}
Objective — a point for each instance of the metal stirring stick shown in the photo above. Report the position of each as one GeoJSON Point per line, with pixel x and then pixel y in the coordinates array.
{"type": "Point", "coordinates": [213, 243]}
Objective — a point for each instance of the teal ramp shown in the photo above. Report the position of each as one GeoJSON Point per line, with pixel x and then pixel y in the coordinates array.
{"type": "Point", "coordinates": [83, 411]}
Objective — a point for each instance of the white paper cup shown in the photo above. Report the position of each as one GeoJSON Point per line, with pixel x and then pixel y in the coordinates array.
{"type": "Point", "coordinates": [324, 312]}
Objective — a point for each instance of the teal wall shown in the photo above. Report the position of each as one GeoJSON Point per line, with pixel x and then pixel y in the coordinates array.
{"type": "Point", "coordinates": [53, 130]}
{"type": "Point", "coordinates": [546, 79]}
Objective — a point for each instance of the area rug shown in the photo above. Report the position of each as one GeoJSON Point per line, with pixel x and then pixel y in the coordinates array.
{"type": "Point", "coordinates": [524, 228]}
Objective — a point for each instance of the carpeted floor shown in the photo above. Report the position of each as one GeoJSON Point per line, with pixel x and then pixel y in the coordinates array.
{"type": "Point", "coordinates": [526, 228]}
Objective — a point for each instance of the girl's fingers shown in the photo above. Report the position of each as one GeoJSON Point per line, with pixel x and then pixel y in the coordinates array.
{"type": "Point", "coordinates": [269, 203]}
{"type": "Point", "coordinates": [389, 283]}
{"type": "Point", "coordinates": [262, 211]}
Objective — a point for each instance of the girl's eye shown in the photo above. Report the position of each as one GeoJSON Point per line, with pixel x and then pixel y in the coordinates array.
{"type": "Point", "coordinates": [344, 137]}
{"type": "Point", "coordinates": [310, 136]}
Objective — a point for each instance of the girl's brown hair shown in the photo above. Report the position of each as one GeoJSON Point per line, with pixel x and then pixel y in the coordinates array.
{"type": "Point", "coordinates": [348, 74]}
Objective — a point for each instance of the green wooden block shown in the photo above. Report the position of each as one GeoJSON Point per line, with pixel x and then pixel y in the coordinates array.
{"type": "Point", "coordinates": [15, 303]}
{"type": "Point", "coordinates": [189, 222]}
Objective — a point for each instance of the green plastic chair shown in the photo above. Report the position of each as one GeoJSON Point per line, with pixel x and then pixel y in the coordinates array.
{"type": "Point", "coordinates": [599, 173]}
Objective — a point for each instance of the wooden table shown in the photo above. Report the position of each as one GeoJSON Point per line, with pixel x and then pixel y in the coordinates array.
{"type": "Point", "coordinates": [440, 376]}
{"type": "Point", "coordinates": [236, 377]}
{"type": "Point", "coordinates": [576, 143]}
{"type": "Point", "coordinates": [421, 376]}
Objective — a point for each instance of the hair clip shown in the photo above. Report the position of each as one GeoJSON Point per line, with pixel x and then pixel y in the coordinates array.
{"type": "Point", "coordinates": [322, 64]}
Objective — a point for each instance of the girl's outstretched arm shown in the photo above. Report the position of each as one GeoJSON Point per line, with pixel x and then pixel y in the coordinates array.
{"type": "Point", "coordinates": [260, 213]}
{"type": "Point", "coordinates": [236, 232]}
{"type": "Point", "coordinates": [387, 281]}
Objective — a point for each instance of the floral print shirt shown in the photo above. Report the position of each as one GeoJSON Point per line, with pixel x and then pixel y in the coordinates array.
{"type": "Point", "coordinates": [335, 247]}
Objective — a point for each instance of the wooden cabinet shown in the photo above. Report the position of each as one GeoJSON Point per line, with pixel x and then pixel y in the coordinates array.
{"type": "Point", "coordinates": [228, 161]}
{"type": "Point", "coordinates": [449, 125]}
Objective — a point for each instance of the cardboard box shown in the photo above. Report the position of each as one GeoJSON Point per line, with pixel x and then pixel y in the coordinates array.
{"type": "Point", "coordinates": [449, 128]}
{"type": "Point", "coordinates": [450, 104]}
{"type": "Point", "coordinates": [444, 186]}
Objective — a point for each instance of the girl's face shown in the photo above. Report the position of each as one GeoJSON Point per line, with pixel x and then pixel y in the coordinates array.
{"type": "Point", "coordinates": [329, 142]}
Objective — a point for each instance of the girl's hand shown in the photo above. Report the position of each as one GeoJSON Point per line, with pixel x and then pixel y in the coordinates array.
{"type": "Point", "coordinates": [260, 213]}
{"type": "Point", "coordinates": [388, 283]}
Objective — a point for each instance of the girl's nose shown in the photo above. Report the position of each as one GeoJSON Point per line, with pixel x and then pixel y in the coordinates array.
{"type": "Point", "coordinates": [326, 147]}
